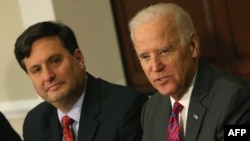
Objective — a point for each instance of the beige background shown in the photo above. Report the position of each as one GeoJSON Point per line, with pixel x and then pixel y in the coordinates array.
{"type": "Point", "coordinates": [93, 24]}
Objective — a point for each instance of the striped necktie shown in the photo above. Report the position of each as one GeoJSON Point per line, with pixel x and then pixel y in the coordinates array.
{"type": "Point", "coordinates": [67, 131]}
{"type": "Point", "coordinates": [173, 123]}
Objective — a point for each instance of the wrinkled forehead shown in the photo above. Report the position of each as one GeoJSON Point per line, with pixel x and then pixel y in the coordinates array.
{"type": "Point", "coordinates": [161, 28]}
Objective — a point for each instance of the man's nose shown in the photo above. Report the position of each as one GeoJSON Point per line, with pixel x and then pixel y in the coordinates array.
{"type": "Point", "coordinates": [48, 74]}
{"type": "Point", "coordinates": [157, 64]}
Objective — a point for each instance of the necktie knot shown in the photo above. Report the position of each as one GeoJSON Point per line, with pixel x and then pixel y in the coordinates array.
{"type": "Point", "coordinates": [177, 107]}
{"type": "Point", "coordinates": [67, 121]}
{"type": "Point", "coordinates": [67, 129]}
{"type": "Point", "coordinates": [173, 125]}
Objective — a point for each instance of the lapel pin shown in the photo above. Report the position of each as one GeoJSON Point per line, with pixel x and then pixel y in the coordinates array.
{"type": "Point", "coordinates": [196, 116]}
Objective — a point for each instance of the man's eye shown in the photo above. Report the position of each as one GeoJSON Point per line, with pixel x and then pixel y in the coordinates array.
{"type": "Point", "coordinates": [144, 57]}
{"type": "Point", "coordinates": [164, 51]}
{"type": "Point", "coordinates": [55, 60]}
{"type": "Point", "coordinates": [35, 70]}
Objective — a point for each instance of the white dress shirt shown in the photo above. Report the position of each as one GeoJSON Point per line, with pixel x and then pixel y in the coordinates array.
{"type": "Point", "coordinates": [185, 102]}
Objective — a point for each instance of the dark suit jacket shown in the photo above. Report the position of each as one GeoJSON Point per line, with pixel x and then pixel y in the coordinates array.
{"type": "Point", "coordinates": [7, 133]}
{"type": "Point", "coordinates": [217, 99]}
{"type": "Point", "coordinates": [109, 113]}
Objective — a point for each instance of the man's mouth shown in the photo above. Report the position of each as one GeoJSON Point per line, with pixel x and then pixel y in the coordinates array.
{"type": "Point", "coordinates": [162, 80]}
{"type": "Point", "coordinates": [52, 86]}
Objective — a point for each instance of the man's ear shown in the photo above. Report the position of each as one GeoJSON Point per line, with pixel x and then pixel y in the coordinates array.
{"type": "Point", "coordinates": [194, 45]}
{"type": "Point", "coordinates": [79, 58]}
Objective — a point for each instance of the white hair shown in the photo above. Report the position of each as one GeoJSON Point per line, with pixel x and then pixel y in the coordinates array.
{"type": "Point", "coordinates": [181, 18]}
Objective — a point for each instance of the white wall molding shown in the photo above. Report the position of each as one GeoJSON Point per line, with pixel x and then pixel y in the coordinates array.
{"type": "Point", "coordinates": [18, 109]}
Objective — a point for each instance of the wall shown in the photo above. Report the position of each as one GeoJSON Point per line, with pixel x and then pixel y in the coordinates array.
{"type": "Point", "coordinates": [93, 24]}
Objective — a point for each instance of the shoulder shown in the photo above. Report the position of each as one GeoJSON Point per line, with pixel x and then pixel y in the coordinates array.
{"type": "Point", "coordinates": [117, 91]}
{"type": "Point", "coordinates": [39, 114]}
{"type": "Point", "coordinates": [42, 108]}
{"type": "Point", "coordinates": [113, 96]}
{"type": "Point", "coordinates": [106, 86]}
{"type": "Point", "coordinates": [216, 79]}
{"type": "Point", "coordinates": [110, 89]}
{"type": "Point", "coordinates": [156, 100]}
{"type": "Point", "coordinates": [217, 87]}
{"type": "Point", "coordinates": [228, 82]}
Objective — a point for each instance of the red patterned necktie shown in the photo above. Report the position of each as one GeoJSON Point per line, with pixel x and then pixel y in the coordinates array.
{"type": "Point", "coordinates": [173, 123]}
{"type": "Point", "coordinates": [67, 131]}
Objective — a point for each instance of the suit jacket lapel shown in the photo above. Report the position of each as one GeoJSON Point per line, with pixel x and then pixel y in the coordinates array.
{"type": "Point", "coordinates": [198, 103]}
{"type": "Point", "coordinates": [90, 109]}
{"type": "Point", "coordinates": [167, 110]}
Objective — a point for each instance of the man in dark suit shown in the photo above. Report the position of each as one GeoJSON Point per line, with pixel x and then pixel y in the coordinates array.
{"type": "Point", "coordinates": [7, 133]}
{"type": "Point", "coordinates": [168, 49]}
{"type": "Point", "coordinates": [101, 111]}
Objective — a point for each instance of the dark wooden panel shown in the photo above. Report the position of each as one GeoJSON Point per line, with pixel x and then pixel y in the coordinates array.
{"type": "Point", "coordinates": [239, 16]}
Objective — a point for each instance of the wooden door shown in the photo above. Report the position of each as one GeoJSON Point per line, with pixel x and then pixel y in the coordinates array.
{"type": "Point", "coordinates": [223, 27]}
